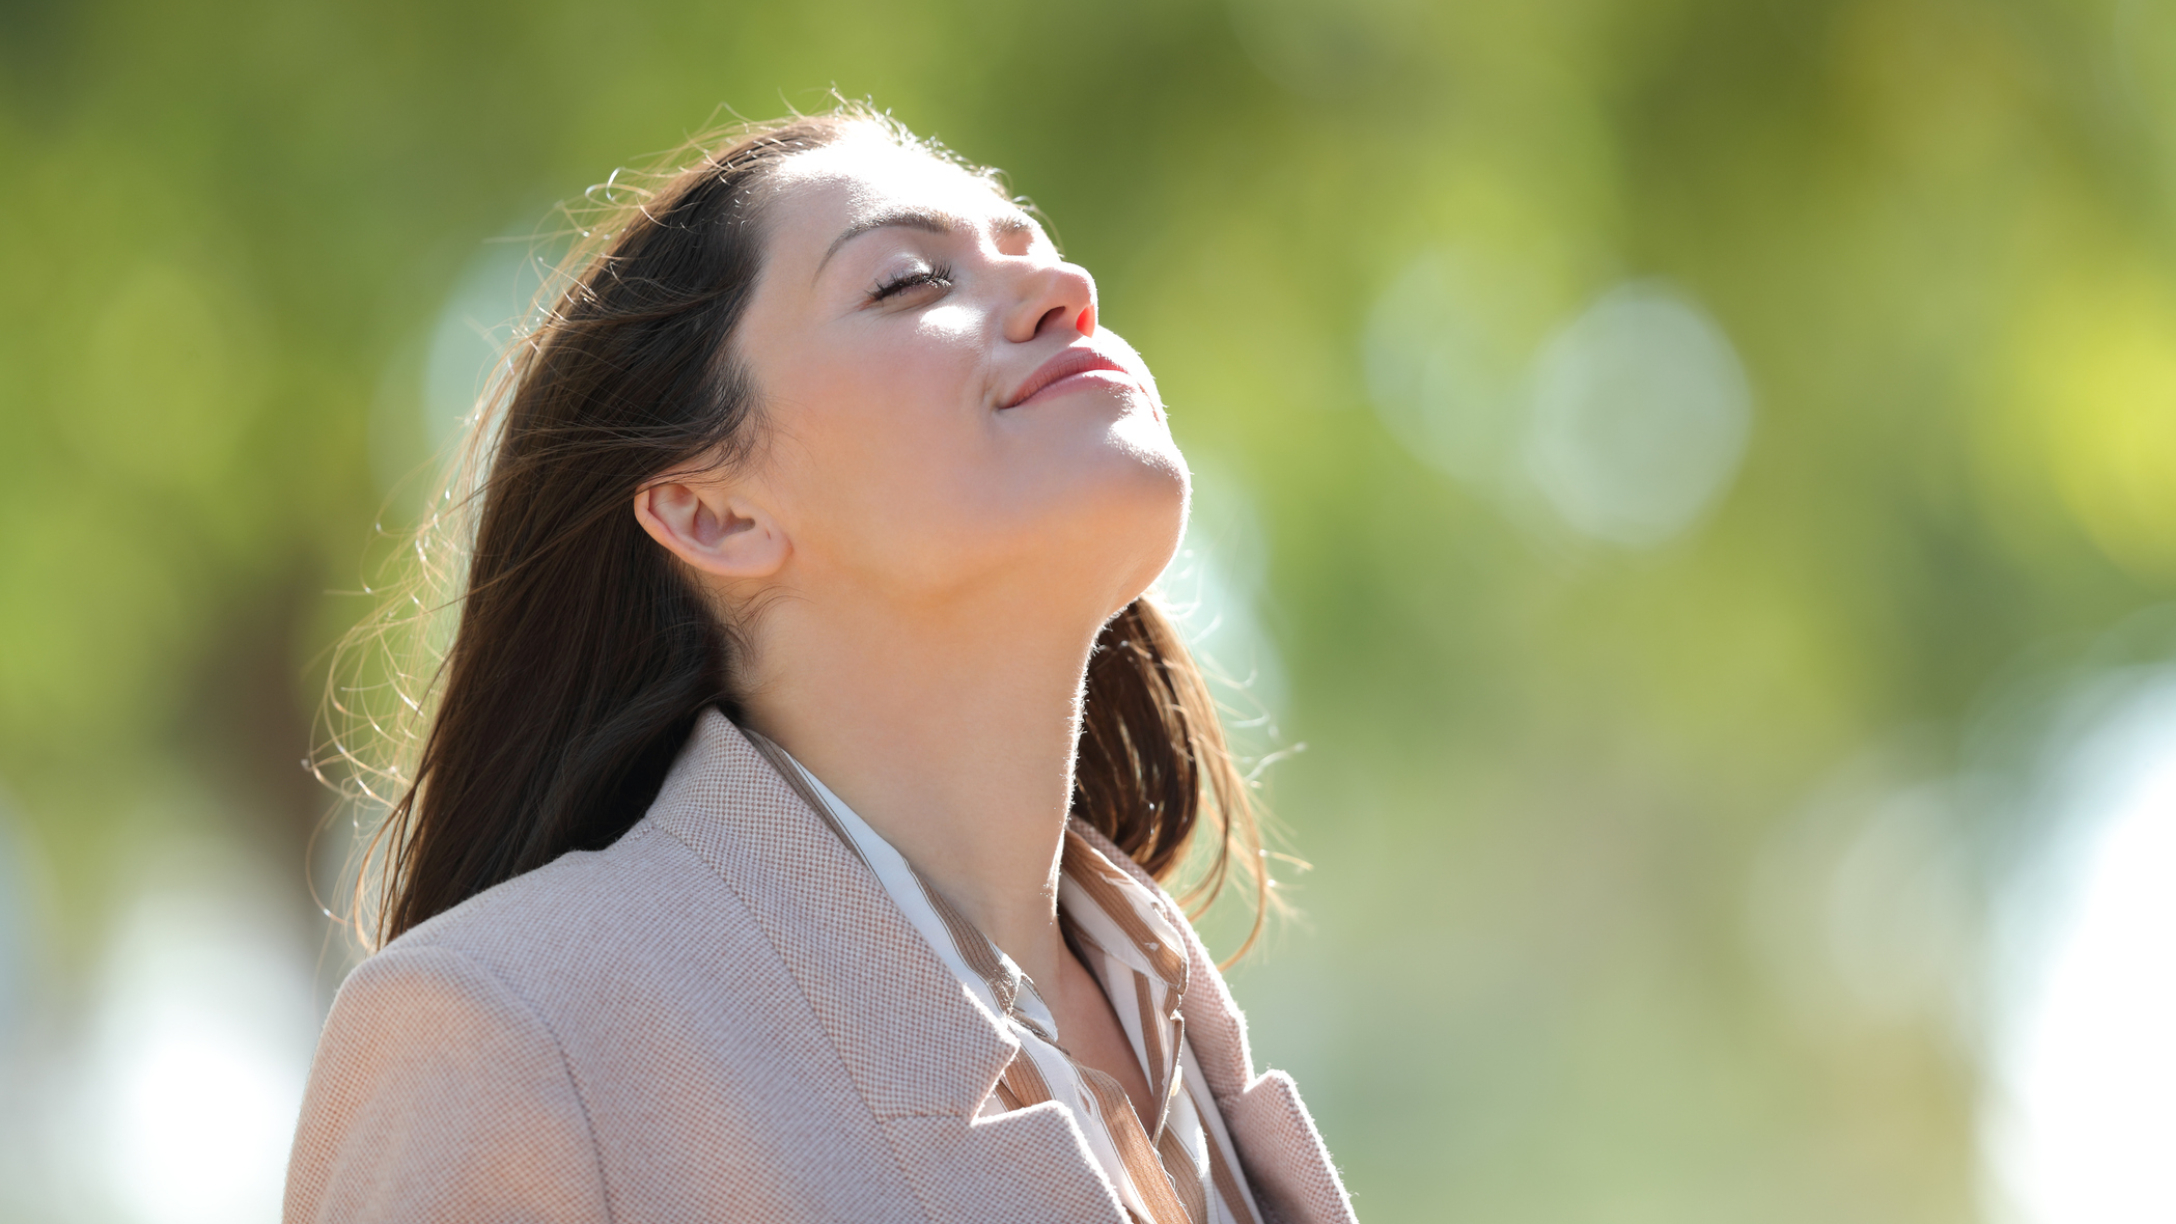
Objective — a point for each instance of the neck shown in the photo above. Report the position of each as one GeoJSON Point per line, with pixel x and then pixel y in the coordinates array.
{"type": "Point", "coordinates": [954, 739]}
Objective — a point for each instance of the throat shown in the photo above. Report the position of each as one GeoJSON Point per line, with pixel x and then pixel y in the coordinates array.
{"type": "Point", "coordinates": [956, 747]}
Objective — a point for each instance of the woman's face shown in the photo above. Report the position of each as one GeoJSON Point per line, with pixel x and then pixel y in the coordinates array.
{"type": "Point", "coordinates": [946, 420]}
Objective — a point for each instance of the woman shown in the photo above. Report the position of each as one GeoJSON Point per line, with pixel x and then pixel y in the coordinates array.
{"type": "Point", "coordinates": [785, 840]}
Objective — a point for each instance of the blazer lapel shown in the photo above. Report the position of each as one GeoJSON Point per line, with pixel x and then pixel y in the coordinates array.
{"type": "Point", "coordinates": [920, 1050]}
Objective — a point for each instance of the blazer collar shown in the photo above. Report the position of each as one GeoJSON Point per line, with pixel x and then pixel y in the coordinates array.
{"type": "Point", "coordinates": [920, 1051]}
{"type": "Point", "coordinates": [913, 1041]}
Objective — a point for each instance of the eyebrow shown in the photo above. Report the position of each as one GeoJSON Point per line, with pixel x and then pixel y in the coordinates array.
{"type": "Point", "coordinates": [925, 219]}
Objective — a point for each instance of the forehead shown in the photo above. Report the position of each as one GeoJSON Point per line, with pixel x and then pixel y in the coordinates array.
{"type": "Point", "coordinates": [826, 190]}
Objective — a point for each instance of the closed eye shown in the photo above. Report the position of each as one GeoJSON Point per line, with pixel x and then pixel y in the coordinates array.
{"type": "Point", "coordinates": [940, 275]}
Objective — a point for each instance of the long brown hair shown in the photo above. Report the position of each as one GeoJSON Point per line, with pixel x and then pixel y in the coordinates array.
{"type": "Point", "coordinates": [580, 655]}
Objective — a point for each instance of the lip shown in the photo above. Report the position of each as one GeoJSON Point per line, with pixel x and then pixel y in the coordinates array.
{"type": "Point", "coordinates": [1067, 364]}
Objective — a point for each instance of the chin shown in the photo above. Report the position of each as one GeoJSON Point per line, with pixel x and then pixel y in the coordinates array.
{"type": "Point", "coordinates": [1095, 519]}
{"type": "Point", "coordinates": [1142, 516]}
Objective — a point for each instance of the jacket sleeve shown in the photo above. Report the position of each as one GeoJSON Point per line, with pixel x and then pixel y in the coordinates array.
{"type": "Point", "coordinates": [439, 1095]}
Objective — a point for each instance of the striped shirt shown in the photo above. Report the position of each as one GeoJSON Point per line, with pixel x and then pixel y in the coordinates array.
{"type": "Point", "coordinates": [1184, 1170]}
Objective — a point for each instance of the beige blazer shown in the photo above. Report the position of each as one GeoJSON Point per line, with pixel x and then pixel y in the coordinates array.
{"type": "Point", "coordinates": [721, 1016]}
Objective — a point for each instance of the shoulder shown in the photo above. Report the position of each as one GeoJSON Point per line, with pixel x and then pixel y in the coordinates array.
{"type": "Point", "coordinates": [408, 1017]}
{"type": "Point", "coordinates": [436, 1087]}
{"type": "Point", "coordinates": [643, 1007]}
{"type": "Point", "coordinates": [592, 902]}
{"type": "Point", "coordinates": [659, 920]}
{"type": "Point", "coordinates": [508, 1051]}
{"type": "Point", "coordinates": [603, 895]}
{"type": "Point", "coordinates": [598, 940]}
{"type": "Point", "coordinates": [481, 988]}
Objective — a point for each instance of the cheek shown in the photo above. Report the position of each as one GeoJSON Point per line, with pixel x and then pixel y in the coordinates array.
{"type": "Point", "coordinates": [886, 433]}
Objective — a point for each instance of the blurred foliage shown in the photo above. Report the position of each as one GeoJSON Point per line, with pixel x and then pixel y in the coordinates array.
{"type": "Point", "coordinates": [1547, 779]}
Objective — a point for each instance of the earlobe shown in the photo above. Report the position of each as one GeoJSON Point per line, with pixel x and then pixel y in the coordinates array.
{"type": "Point", "coordinates": [712, 529]}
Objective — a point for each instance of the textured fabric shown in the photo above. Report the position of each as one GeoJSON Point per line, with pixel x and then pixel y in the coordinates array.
{"type": "Point", "coordinates": [722, 1016]}
{"type": "Point", "coordinates": [1286, 1162]}
{"type": "Point", "coordinates": [1130, 942]}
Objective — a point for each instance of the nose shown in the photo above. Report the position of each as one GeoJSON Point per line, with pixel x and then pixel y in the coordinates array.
{"type": "Point", "coordinates": [1053, 298]}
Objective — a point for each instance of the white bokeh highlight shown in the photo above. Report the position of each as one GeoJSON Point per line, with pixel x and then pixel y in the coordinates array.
{"type": "Point", "coordinates": [1624, 423]}
{"type": "Point", "coordinates": [2080, 1127]}
{"type": "Point", "coordinates": [199, 1051]}
{"type": "Point", "coordinates": [1445, 353]}
{"type": "Point", "coordinates": [1640, 415]}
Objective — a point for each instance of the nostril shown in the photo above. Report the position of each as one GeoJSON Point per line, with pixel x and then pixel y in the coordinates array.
{"type": "Point", "coordinates": [1056, 315]}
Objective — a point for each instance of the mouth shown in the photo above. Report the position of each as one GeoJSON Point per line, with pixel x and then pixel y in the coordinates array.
{"type": "Point", "coordinates": [1072, 367]}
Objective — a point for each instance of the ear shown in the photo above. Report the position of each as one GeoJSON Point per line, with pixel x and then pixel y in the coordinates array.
{"type": "Point", "coordinates": [713, 528]}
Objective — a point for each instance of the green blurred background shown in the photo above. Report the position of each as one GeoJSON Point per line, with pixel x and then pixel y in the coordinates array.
{"type": "Point", "coordinates": [1698, 477]}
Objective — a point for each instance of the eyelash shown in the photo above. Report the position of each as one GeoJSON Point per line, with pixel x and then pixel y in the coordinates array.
{"type": "Point", "coordinates": [939, 275]}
